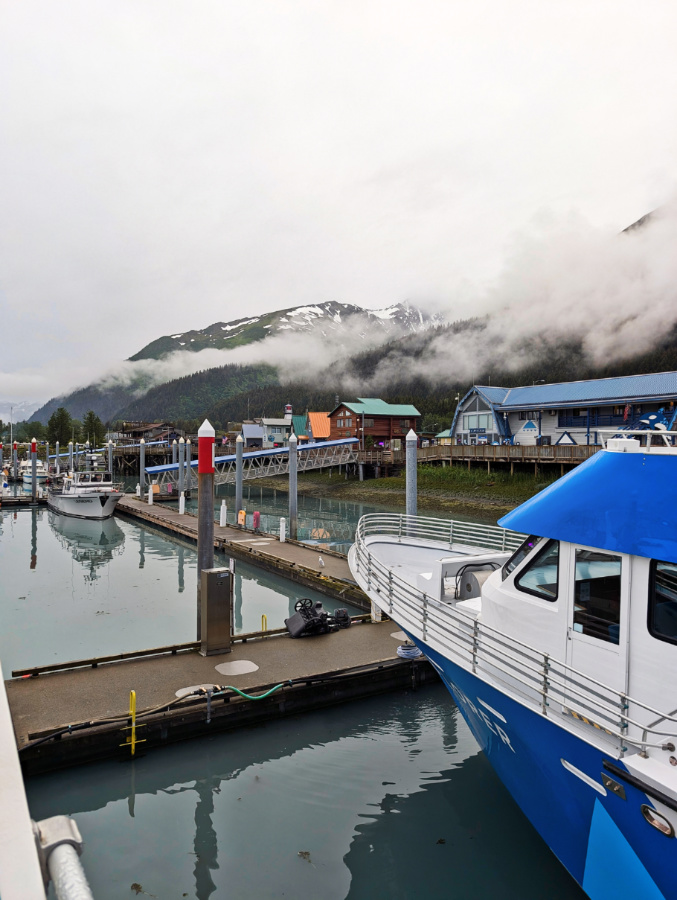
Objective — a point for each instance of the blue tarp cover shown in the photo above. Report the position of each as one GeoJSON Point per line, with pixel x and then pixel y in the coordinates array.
{"type": "Point", "coordinates": [623, 502]}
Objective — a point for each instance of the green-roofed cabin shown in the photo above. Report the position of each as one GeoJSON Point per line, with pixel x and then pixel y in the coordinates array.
{"type": "Point", "coordinates": [376, 423]}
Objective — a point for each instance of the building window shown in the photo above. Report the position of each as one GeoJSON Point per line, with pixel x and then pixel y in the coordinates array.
{"type": "Point", "coordinates": [276, 429]}
{"type": "Point", "coordinates": [339, 423]}
{"type": "Point", "coordinates": [349, 423]}
{"type": "Point", "coordinates": [480, 422]}
{"type": "Point", "coordinates": [404, 423]}
{"type": "Point", "coordinates": [597, 596]}
{"type": "Point", "coordinates": [368, 423]}
{"type": "Point", "coordinates": [619, 410]}
{"type": "Point", "coordinates": [663, 601]}
{"type": "Point", "coordinates": [540, 576]}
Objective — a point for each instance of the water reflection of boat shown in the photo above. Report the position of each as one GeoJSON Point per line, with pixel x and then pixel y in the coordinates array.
{"type": "Point", "coordinates": [92, 542]}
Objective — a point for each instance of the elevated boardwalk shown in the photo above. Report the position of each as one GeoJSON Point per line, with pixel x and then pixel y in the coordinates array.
{"type": "Point", "coordinates": [449, 454]}
{"type": "Point", "coordinates": [298, 562]}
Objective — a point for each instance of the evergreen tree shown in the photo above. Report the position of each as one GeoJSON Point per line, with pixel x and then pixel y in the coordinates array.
{"type": "Point", "coordinates": [93, 429]}
{"type": "Point", "coordinates": [59, 427]}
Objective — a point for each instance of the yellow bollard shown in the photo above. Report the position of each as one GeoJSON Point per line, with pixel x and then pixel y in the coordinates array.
{"type": "Point", "coordinates": [264, 622]}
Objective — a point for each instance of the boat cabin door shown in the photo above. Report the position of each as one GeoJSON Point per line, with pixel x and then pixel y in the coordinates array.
{"type": "Point", "coordinates": [598, 615]}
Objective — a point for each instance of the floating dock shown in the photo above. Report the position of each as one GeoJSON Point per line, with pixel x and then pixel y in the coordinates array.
{"type": "Point", "coordinates": [291, 559]}
{"type": "Point", "coordinates": [54, 713]}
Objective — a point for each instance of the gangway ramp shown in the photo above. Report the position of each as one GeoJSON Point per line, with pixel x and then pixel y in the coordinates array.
{"type": "Point", "coordinates": [265, 463]}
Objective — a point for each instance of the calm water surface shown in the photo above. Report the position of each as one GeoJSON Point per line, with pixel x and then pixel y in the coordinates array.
{"type": "Point", "coordinates": [383, 798]}
{"type": "Point", "coordinates": [76, 588]}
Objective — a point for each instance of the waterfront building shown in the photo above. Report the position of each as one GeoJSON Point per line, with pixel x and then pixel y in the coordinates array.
{"type": "Point", "coordinates": [570, 412]}
{"type": "Point", "coordinates": [252, 433]}
{"type": "Point", "coordinates": [319, 426]}
{"type": "Point", "coordinates": [375, 422]}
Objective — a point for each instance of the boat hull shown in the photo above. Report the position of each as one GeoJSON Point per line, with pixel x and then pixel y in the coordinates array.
{"type": "Point", "coordinates": [87, 506]}
{"type": "Point", "coordinates": [41, 478]}
{"type": "Point", "coordinates": [602, 839]}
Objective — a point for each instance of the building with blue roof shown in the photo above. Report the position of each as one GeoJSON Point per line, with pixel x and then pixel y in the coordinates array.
{"type": "Point", "coordinates": [572, 412]}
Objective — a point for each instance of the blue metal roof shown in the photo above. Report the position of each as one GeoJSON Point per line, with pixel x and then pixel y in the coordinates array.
{"type": "Point", "coordinates": [622, 502]}
{"type": "Point", "coordinates": [659, 386]}
{"type": "Point", "coordinates": [492, 394]}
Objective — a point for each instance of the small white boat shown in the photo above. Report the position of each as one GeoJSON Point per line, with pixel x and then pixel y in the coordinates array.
{"type": "Point", "coordinates": [26, 472]}
{"type": "Point", "coordinates": [86, 495]}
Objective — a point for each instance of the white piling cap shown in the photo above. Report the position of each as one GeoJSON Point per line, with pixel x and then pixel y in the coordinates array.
{"type": "Point", "coordinates": [174, 441]}
{"type": "Point", "coordinates": [188, 440]}
{"type": "Point", "coordinates": [206, 430]}
{"type": "Point", "coordinates": [292, 437]}
{"type": "Point", "coordinates": [181, 441]}
{"type": "Point", "coordinates": [142, 441]}
{"type": "Point", "coordinates": [411, 436]}
{"type": "Point", "coordinates": [239, 439]}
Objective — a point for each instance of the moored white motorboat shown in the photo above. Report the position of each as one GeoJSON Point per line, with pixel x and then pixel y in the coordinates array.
{"type": "Point", "coordinates": [562, 658]}
{"type": "Point", "coordinates": [86, 495]}
{"type": "Point", "coordinates": [26, 472]}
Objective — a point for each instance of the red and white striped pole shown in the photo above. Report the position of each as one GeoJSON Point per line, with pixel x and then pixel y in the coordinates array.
{"type": "Point", "coordinates": [34, 469]}
{"type": "Point", "coordinates": [206, 452]}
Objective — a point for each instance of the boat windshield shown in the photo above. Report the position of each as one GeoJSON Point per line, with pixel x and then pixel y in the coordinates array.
{"type": "Point", "coordinates": [520, 554]}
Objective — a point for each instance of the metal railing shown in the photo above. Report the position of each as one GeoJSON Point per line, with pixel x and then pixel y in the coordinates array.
{"type": "Point", "coordinates": [551, 687]}
{"type": "Point", "coordinates": [265, 463]}
{"type": "Point", "coordinates": [441, 531]}
{"type": "Point", "coordinates": [656, 441]}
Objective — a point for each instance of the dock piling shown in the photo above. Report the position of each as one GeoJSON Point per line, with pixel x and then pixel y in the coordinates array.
{"type": "Point", "coordinates": [174, 452]}
{"type": "Point", "coordinates": [110, 457]}
{"type": "Point", "coordinates": [70, 456]}
{"type": "Point", "coordinates": [411, 476]}
{"type": "Point", "coordinates": [206, 449]}
{"type": "Point", "coordinates": [57, 460]}
{"type": "Point", "coordinates": [189, 476]}
{"type": "Point", "coordinates": [15, 462]}
{"type": "Point", "coordinates": [239, 447]}
{"type": "Point", "coordinates": [88, 458]}
{"type": "Point", "coordinates": [34, 469]}
{"type": "Point", "coordinates": [182, 472]}
{"type": "Point", "coordinates": [283, 530]}
{"type": "Point", "coordinates": [142, 467]}
{"type": "Point", "coordinates": [293, 487]}
{"type": "Point", "coordinates": [223, 514]}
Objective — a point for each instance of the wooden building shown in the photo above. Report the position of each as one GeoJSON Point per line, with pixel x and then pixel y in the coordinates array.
{"type": "Point", "coordinates": [573, 412]}
{"type": "Point", "coordinates": [375, 422]}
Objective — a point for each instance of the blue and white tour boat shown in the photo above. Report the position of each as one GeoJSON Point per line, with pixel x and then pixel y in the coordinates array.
{"type": "Point", "coordinates": [561, 655]}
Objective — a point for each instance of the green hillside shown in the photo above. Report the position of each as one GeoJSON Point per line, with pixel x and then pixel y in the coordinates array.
{"type": "Point", "coordinates": [189, 397]}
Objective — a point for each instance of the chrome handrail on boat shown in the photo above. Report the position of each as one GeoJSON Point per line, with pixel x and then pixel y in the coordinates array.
{"type": "Point", "coordinates": [550, 686]}
{"type": "Point", "coordinates": [444, 531]}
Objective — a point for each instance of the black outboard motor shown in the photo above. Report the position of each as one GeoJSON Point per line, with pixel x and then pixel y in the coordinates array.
{"type": "Point", "coordinates": [310, 618]}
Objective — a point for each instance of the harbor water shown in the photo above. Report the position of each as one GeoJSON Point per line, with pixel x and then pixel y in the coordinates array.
{"type": "Point", "coordinates": [382, 798]}
{"type": "Point", "coordinates": [78, 588]}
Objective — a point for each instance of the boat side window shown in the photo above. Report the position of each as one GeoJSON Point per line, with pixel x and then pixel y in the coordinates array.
{"type": "Point", "coordinates": [84, 477]}
{"type": "Point", "coordinates": [663, 601]}
{"type": "Point", "coordinates": [519, 555]}
{"type": "Point", "coordinates": [97, 477]}
{"type": "Point", "coordinates": [540, 576]}
{"type": "Point", "coordinates": [597, 597]}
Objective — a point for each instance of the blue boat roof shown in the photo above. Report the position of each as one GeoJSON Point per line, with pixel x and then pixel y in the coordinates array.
{"type": "Point", "coordinates": [622, 502]}
{"type": "Point", "coordinates": [658, 386]}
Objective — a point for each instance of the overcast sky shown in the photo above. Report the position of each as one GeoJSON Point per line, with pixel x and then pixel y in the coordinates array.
{"type": "Point", "coordinates": [165, 165]}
